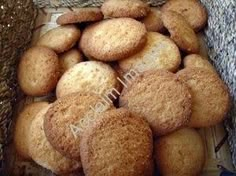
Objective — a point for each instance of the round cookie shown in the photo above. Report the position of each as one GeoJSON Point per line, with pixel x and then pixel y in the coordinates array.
{"type": "Point", "coordinates": [90, 76]}
{"type": "Point", "coordinates": [153, 21]}
{"type": "Point", "coordinates": [113, 39]}
{"type": "Point", "coordinates": [38, 71]}
{"type": "Point", "coordinates": [43, 153]}
{"type": "Point", "coordinates": [181, 32]}
{"type": "Point", "coordinates": [68, 118]}
{"type": "Point", "coordinates": [160, 52]}
{"type": "Point", "coordinates": [161, 99]}
{"type": "Point", "coordinates": [23, 123]}
{"type": "Point", "coordinates": [125, 8]}
{"type": "Point", "coordinates": [60, 39]}
{"type": "Point", "coordinates": [119, 144]}
{"type": "Point", "coordinates": [210, 97]}
{"type": "Point", "coordinates": [80, 15]}
{"type": "Point", "coordinates": [69, 59]}
{"type": "Point", "coordinates": [180, 153]}
{"type": "Point", "coordinates": [192, 10]}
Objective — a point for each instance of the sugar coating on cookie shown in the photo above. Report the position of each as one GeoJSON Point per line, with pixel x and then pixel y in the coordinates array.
{"type": "Point", "coordinates": [80, 15]}
{"type": "Point", "coordinates": [125, 8]}
{"type": "Point", "coordinates": [43, 153]}
{"type": "Point", "coordinates": [119, 144]}
{"type": "Point", "coordinates": [210, 97]}
{"type": "Point", "coordinates": [90, 76]}
{"type": "Point", "coordinates": [181, 32]}
{"type": "Point", "coordinates": [192, 10]}
{"type": "Point", "coordinates": [180, 153]}
{"type": "Point", "coordinates": [160, 98]}
{"type": "Point", "coordinates": [60, 39]}
{"type": "Point", "coordinates": [38, 71]}
{"type": "Point", "coordinates": [113, 39]}
{"type": "Point", "coordinates": [23, 123]}
{"type": "Point", "coordinates": [160, 52]}
{"type": "Point", "coordinates": [69, 117]}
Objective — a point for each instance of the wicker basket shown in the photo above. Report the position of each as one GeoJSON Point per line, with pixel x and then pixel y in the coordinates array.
{"type": "Point", "coordinates": [20, 19]}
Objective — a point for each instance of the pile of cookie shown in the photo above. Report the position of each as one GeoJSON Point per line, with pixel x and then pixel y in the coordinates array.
{"type": "Point", "coordinates": [131, 91]}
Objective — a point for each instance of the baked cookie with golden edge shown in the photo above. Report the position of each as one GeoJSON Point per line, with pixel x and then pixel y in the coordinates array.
{"type": "Point", "coordinates": [161, 99]}
{"type": "Point", "coordinates": [181, 32]}
{"type": "Point", "coordinates": [60, 39]}
{"type": "Point", "coordinates": [80, 15]}
{"type": "Point", "coordinates": [180, 153]}
{"type": "Point", "coordinates": [68, 118]}
{"type": "Point", "coordinates": [125, 8]}
{"type": "Point", "coordinates": [119, 144]}
{"type": "Point", "coordinates": [43, 153]}
{"type": "Point", "coordinates": [23, 123]}
{"type": "Point", "coordinates": [192, 10]}
{"type": "Point", "coordinates": [113, 39]}
{"type": "Point", "coordinates": [38, 71]}
{"type": "Point", "coordinates": [153, 21]}
{"type": "Point", "coordinates": [69, 59]}
{"type": "Point", "coordinates": [90, 76]}
{"type": "Point", "coordinates": [160, 52]}
{"type": "Point", "coordinates": [209, 95]}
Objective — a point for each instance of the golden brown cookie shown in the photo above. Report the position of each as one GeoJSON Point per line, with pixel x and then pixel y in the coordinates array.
{"type": "Point", "coordinates": [180, 153]}
{"type": "Point", "coordinates": [119, 144]}
{"type": "Point", "coordinates": [113, 39]}
{"type": "Point", "coordinates": [125, 8]}
{"type": "Point", "coordinates": [161, 99]}
{"type": "Point", "coordinates": [67, 119]}
{"type": "Point", "coordinates": [38, 71]}
{"type": "Point", "coordinates": [43, 153]}
{"type": "Point", "coordinates": [209, 95]}
{"type": "Point", "coordinates": [192, 10]}
{"type": "Point", "coordinates": [69, 59]}
{"type": "Point", "coordinates": [23, 123]}
{"type": "Point", "coordinates": [153, 21]}
{"type": "Point", "coordinates": [90, 76]}
{"type": "Point", "coordinates": [181, 32]}
{"type": "Point", "coordinates": [80, 15]}
{"type": "Point", "coordinates": [60, 39]}
{"type": "Point", "coordinates": [160, 52]}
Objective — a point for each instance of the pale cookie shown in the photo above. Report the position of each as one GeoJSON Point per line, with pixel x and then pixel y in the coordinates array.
{"type": "Point", "coordinates": [181, 32]}
{"type": "Point", "coordinates": [125, 8]}
{"type": "Point", "coordinates": [113, 39]}
{"type": "Point", "coordinates": [119, 144]}
{"type": "Point", "coordinates": [160, 98]}
{"type": "Point", "coordinates": [60, 39]}
{"type": "Point", "coordinates": [209, 95]}
{"type": "Point", "coordinates": [38, 71]}
{"type": "Point", "coordinates": [160, 52]}
{"type": "Point", "coordinates": [69, 117]}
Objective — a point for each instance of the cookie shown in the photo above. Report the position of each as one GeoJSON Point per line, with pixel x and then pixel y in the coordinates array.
{"type": "Point", "coordinates": [180, 153]}
{"type": "Point", "coordinates": [192, 10]}
{"type": "Point", "coordinates": [160, 98]}
{"type": "Point", "coordinates": [113, 39]}
{"type": "Point", "coordinates": [119, 144]}
{"type": "Point", "coordinates": [90, 76]}
{"type": "Point", "coordinates": [153, 21]}
{"type": "Point", "coordinates": [160, 52]}
{"type": "Point", "coordinates": [69, 59]}
{"type": "Point", "coordinates": [43, 153]}
{"type": "Point", "coordinates": [23, 123]}
{"type": "Point", "coordinates": [68, 117]}
{"type": "Point", "coordinates": [125, 8]}
{"type": "Point", "coordinates": [181, 32]}
{"type": "Point", "coordinates": [209, 94]}
{"type": "Point", "coordinates": [60, 39]}
{"type": "Point", "coordinates": [80, 15]}
{"type": "Point", "coordinates": [38, 71]}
